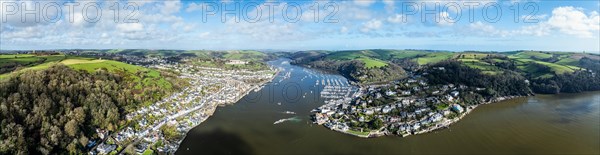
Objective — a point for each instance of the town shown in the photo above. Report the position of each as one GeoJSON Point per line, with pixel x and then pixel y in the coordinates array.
{"type": "Point", "coordinates": [406, 107]}
{"type": "Point", "coordinates": [161, 126]}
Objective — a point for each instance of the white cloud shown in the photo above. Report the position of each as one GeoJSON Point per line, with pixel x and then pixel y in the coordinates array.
{"type": "Point", "coordinates": [194, 7]}
{"type": "Point", "coordinates": [397, 18]}
{"type": "Point", "coordinates": [170, 7]}
{"type": "Point", "coordinates": [350, 11]}
{"type": "Point", "coordinates": [445, 19]}
{"type": "Point", "coordinates": [572, 21]}
{"type": "Point", "coordinates": [364, 3]}
{"type": "Point", "coordinates": [373, 24]}
{"type": "Point", "coordinates": [389, 5]}
{"type": "Point", "coordinates": [130, 27]}
{"type": "Point", "coordinates": [157, 22]}
{"type": "Point", "coordinates": [534, 18]}
{"type": "Point", "coordinates": [344, 30]}
{"type": "Point", "coordinates": [564, 20]}
{"type": "Point", "coordinates": [204, 35]}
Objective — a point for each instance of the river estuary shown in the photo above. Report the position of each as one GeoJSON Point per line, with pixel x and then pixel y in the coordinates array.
{"type": "Point", "coordinates": [542, 124]}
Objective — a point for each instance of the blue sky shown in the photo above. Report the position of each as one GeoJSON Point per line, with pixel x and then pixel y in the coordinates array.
{"type": "Point", "coordinates": [539, 25]}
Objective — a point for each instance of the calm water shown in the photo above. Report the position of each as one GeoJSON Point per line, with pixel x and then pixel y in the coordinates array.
{"type": "Point", "coordinates": [543, 124]}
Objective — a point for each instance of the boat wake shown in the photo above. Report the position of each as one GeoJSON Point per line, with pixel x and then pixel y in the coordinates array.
{"type": "Point", "coordinates": [295, 119]}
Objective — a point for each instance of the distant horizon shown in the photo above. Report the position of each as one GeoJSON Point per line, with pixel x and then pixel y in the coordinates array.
{"type": "Point", "coordinates": [289, 50]}
{"type": "Point", "coordinates": [490, 25]}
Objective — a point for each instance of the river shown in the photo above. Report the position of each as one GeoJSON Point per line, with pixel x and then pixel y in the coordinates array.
{"type": "Point", "coordinates": [542, 124]}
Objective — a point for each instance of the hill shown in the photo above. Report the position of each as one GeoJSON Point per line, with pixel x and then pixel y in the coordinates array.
{"type": "Point", "coordinates": [537, 66]}
{"type": "Point", "coordinates": [139, 77]}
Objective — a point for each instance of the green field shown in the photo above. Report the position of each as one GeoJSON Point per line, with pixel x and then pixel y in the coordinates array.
{"type": "Point", "coordinates": [527, 66]}
{"type": "Point", "coordinates": [384, 55]}
{"type": "Point", "coordinates": [28, 58]}
{"type": "Point", "coordinates": [370, 63]}
{"type": "Point", "coordinates": [532, 54]}
{"type": "Point", "coordinates": [370, 58]}
{"type": "Point", "coordinates": [244, 55]}
{"type": "Point", "coordinates": [434, 57]}
{"type": "Point", "coordinates": [472, 55]}
{"type": "Point", "coordinates": [142, 76]}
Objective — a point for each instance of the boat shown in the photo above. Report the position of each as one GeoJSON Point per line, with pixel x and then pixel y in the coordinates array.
{"type": "Point", "coordinates": [289, 112]}
{"type": "Point", "coordinates": [279, 121]}
{"type": "Point", "coordinates": [286, 119]}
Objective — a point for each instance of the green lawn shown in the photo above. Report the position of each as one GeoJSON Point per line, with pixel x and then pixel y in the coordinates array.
{"type": "Point", "coordinates": [148, 152]}
{"type": "Point", "coordinates": [358, 133]}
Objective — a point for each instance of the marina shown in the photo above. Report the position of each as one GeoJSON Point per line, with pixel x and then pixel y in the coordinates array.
{"type": "Point", "coordinates": [542, 124]}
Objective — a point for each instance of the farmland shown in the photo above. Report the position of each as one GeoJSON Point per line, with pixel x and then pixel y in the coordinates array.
{"type": "Point", "coordinates": [143, 77]}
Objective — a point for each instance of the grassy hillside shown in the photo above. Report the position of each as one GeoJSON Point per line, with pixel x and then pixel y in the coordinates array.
{"type": "Point", "coordinates": [244, 55]}
{"type": "Point", "coordinates": [142, 77]}
{"type": "Point", "coordinates": [434, 57]}
{"type": "Point", "coordinates": [535, 64]}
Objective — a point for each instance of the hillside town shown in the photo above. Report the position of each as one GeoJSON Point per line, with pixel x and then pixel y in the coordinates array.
{"type": "Point", "coordinates": [161, 126]}
{"type": "Point", "coordinates": [406, 107]}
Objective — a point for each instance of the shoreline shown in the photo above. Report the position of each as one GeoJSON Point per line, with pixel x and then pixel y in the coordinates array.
{"type": "Point", "coordinates": [212, 109]}
{"type": "Point", "coordinates": [439, 126]}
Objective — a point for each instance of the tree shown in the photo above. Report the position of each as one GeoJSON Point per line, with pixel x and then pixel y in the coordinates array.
{"type": "Point", "coordinates": [376, 123]}
{"type": "Point", "coordinates": [71, 128]}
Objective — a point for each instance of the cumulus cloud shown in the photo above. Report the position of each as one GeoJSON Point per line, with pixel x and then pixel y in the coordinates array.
{"type": "Point", "coordinates": [573, 21]}
{"type": "Point", "coordinates": [564, 20]}
{"type": "Point", "coordinates": [371, 25]}
{"type": "Point", "coordinates": [194, 7]}
{"type": "Point", "coordinates": [344, 30]}
{"type": "Point", "coordinates": [445, 19]}
{"type": "Point", "coordinates": [397, 18]}
{"type": "Point", "coordinates": [364, 3]}
{"type": "Point", "coordinates": [130, 27]}
{"type": "Point", "coordinates": [389, 5]}
{"type": "Point", "coordinates": [153, 21]}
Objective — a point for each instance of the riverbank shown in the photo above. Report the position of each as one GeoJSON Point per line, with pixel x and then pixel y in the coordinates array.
{"type": "Point", "coordinates": [161, 126]}
{"type": "Point", "coordinates": [446, 123]}
{"type": "Point", "coordinates": [211, 108]}
{"type": "Point", "coordinates": [407, 107]}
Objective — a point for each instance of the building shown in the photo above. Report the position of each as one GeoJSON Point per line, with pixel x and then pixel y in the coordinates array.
{"type": "Point", "coordinates": [386, 109]}
{"type": "Point", "coordinates": [457, 108]}
{"type": "Point", "coordinates": [390, 93]}
{"type": "Point", "coordinates": [454, 93]}
{"type": "Point", "coordinates": [105, 148]}
{"type": "Point", "coordinates": [320, 118]}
